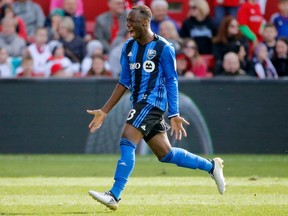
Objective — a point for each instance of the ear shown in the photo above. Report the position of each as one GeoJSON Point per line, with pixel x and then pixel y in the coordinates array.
{"type": "Point", "coordinates": [145, 22]}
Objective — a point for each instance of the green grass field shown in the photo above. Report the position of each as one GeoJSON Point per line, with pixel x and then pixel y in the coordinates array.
{"type": "Point", "coordinates": [58, 185]}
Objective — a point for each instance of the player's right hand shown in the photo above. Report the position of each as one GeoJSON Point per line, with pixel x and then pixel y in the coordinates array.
{"type": "Point", "coordinates": [99, 117]}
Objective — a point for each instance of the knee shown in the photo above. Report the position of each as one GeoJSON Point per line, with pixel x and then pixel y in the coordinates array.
{"type": "Point", "coordinates": [165, 158]}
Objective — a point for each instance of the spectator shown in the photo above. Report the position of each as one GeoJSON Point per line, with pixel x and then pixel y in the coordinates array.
{"type": "Point", "coordinates": [262, 64]}
{"type": "Point", "coordinates": [98, 68]}
{"type": "Point", "coordinates": [110, 27]}
{"type": "Point", "coordinates": [74, 45]}
{"type": "Point", "coordinates": [94, 47]}
{"type": "Point", "coordinates": [4, 2]}
{"type": "Point", "coordinates": [269, 38]}
{"type": "Point", "coordinates": [52, 24]}
{"type": "Point", "coordinates": [225, 7]}
{"type": "Point", "coordinates": [251, 21]}
{"type": "Point", "coordinates": [27, 68]}
{"type": "Point", "coordinates": [39, 51]}
{"type": "Point", "coordinates": [199, 26]}
{"type": "Point", "coordinates": [280, 58]}
{"type": "Point", "coordinates": [6, 69]}
{"type": "Point", "coordinates": [183, 66]}
{"type": "Point", "coordinates": [198, 66]}
{"type": "Point", "coordinates": [69, 8]}
{"type": "Point", "coordinates": [245, 63]}
{"type": "Point", "coordinates": [31, 13]}
{"type": "Point", "coordinates": [58, 71]}
{"type": "Point", "coordinates": [7, 11]}
{"type": "Point", "coordinates": [280, 20]}
{"type": "Point", "coordinates": [9, 38]}
{"type": "Point", "coordinates": [58, 4]}
{"type": "Point", "coordinates": [160, 13]}
{"type": "Point", "coordinates": [231, 65]}
{"type": "Point", "coordinates": [58, 57]}
{"type": "Point", "coordinates": [228, 34]}
{"type": "Point", "coordinates": [169, 32]}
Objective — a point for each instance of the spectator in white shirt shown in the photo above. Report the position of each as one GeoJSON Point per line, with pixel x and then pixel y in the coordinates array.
{"type": "Point", "coordinates": [40, 51]}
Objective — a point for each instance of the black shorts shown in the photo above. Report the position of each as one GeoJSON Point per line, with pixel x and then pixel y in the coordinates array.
{"type": "Point", "coordinates": [147, 119]}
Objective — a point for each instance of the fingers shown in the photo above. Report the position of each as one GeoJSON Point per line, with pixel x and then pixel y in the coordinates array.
{"type": "Point", "coordinates": [172, 132]}
{"type": "Point", "coordinates": [184, 132]}
{"type": "Point", "coordinates": [91, 125]}
{"type": "Point", "coordinates": [90, 112]}
{"type": "Point", "coordinates": [94, 128]}
{"type": "Point", "coordinates": [185, 122]}
{"type": "Point", "coordinates": [179, 133]}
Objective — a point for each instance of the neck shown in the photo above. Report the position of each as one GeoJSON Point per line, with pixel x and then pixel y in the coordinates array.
{"type": "Point", "coordinates": [199, 17]}
{"type": "Point", "coordinates": [69, 37]}
{"type": "Point", "coordinates": [271, 43]}
{"type": "Point", "coordinates": [146, 37]}
{"type": "Point", "coordinates": [284, 56]}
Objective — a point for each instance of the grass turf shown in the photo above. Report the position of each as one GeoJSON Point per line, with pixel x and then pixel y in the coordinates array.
{"type": "Point", "coordinates": [58, 185]}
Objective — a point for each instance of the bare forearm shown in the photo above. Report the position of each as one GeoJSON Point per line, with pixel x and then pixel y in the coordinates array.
{"type": "Point", "coordinates": [114, 98]}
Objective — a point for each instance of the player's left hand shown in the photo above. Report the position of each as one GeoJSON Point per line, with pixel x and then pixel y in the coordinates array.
{"type": "Point", "coordinates": [177, 127]}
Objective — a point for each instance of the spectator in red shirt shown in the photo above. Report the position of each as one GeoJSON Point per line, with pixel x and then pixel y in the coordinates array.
{"type": "Point", "coordinates": [7, 11]}
{"type": "Point", "coordinates": [183, 66]}
{"type": "Point", "coordinates": [225, 7]}
{"type": "Point", "coordinates": [198, 66]}
{"type": "Point", "coordinates": [251, 21]}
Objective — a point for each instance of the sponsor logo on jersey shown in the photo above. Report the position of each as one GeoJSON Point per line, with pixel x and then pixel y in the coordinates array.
{"type": "Point", "coordinates": [134, 66]}
{"type": "Point", "coordinates": [151, 54]}
{"type": "Point", "coordinates": [149, 66]}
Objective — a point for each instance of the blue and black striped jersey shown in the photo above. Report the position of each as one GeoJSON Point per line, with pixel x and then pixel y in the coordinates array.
{"type": "Point", "coordinates": [149, 71]}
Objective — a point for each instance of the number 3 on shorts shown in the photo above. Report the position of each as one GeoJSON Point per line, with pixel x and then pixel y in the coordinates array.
{"type": "Point", "coordinates": [131, 114]}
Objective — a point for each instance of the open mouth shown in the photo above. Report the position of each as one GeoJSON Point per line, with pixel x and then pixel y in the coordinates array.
{"type": "Point", "coordinates": [131, 32]}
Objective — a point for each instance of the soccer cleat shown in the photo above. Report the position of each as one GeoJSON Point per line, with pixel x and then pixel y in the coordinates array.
{"type": "Point", "coordinates": [105, 198]}
{"type": "Point", "coordinates": [217, 175]}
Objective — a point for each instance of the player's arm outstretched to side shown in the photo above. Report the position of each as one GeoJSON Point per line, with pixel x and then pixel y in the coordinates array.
{"type": "Point", "coordinates": [120, 89]}
{"type": "Point", "coordinates": [100, 114]}
{"type": "Point", "coordinates": [169, 66]}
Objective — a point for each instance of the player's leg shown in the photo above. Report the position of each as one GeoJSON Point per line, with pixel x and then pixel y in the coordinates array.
{"type": "Point", "coordinates": [141, 120]}
{"type": "Point", "coordinates": [130, 138]}
{"type": "Point", "coordinates": [160, 145]}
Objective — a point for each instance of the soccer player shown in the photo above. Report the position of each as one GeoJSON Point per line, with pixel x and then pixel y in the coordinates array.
{"type": "Point", "coordinates": [149, 71]}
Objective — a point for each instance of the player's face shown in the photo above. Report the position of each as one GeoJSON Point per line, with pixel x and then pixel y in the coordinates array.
{"type": "Point", "coordinates": [135, 25]}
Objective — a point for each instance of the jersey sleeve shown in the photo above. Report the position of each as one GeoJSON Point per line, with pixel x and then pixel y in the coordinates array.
{"type": "Point", "coordinates": [125, 75]}
{"type": "Point", "coordinates": [168, 63]}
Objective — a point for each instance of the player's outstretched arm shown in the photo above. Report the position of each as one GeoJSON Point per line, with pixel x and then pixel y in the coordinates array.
{"type": "Point", "coordinates": [100, 115]}
{"type": "Point", "coordinates": [177, 127]}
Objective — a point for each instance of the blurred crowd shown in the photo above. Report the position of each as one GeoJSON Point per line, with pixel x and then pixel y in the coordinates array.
{"type": "Point", "coordinates": [233, 40]}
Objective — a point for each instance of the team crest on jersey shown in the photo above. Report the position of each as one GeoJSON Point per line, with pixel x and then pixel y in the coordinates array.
{"type": "Point", "coordinates": [151, 54]}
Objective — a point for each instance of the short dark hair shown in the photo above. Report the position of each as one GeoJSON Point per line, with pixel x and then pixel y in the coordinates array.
{"type": "Point", "coordinates": [270, 25]}
{"type": "Point", "coordinates": [143, 10]}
